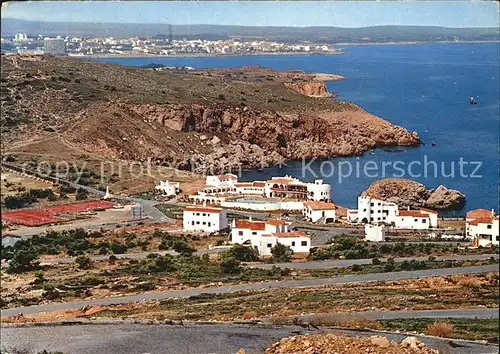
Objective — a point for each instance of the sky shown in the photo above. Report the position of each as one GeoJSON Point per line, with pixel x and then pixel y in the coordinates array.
{"type": "Point", "coordinates": [475, 13]}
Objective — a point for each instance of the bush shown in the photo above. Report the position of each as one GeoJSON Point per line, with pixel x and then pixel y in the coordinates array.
{"type": "Point", "coordinates": [243, 253]}
{"type": "Point", "coordinates": [23, 260]}
{"type": "Point", "coordinates": [439, 329]}
{"type": "Point", "coordinates": [83, 262]}
{"type": "Point", "coordinates": [117, 248]}
{"type": "Point", "coordinates": [281, 253]}
{"type": "Point", "coordinates": [230, 265]}
{"type": "Point", "coordinates": [356, 268]}
{"type": "Point", "coordinates": [81, 194]}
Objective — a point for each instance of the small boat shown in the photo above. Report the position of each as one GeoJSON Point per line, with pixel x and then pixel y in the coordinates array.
{"type": "Point", "coordinates": [433, 144]}
{"type": "Point", "coordinates": [472, 100]}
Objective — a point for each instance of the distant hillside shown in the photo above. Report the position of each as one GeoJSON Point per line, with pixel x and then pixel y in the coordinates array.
{"type": "Point", "coordinates": [323, 34]}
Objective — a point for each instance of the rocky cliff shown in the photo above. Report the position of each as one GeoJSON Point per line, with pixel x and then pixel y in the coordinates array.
{"type": "Point", "coordinates": [312, 88]}
{"type": "Point", "coordinates": [405, 192]}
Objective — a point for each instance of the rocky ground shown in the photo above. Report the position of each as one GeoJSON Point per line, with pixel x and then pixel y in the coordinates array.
{"type": "Point", "coordinates": [202, 121]}
{"type": "Point", "coordinates": [408, 193]}
{"type": "Point", "coordinates": [331, 343]}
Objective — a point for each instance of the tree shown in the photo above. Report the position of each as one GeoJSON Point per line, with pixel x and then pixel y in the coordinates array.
{"type": "Point", "coordinates": [243, 253]}
{"type": "Point", "coordinates": [281, 253]}
{"type": "Point", "coordinates": [23, 260]}
{"type": "Point", "coordinates": [81, 194]}
{"type": "Point", "coordinates": [230, 265]}
{"type": "Point", "coordinates": [182, 247]}
{"type": "Point", "coordinates": [83, 262]}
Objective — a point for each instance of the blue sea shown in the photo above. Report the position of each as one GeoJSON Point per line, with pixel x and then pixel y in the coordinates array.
{"type": "Point", "coordinates": [425, 88]}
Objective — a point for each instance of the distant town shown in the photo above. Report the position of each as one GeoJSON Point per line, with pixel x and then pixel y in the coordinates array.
{"type": "Point", "coordinates": [159, 45]}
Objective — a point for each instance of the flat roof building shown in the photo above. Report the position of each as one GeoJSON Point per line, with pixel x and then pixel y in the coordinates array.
{"type": "Point", "coordinates": [54, 46]}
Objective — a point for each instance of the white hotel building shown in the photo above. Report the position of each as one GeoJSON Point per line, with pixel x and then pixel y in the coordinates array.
{"type": "Point", "coordinates": [264, 235]}
{"type": "Point", "coordinates": [219, 188]}
{"type": "Point", "coordinates": [375, 210]}
{"type": "Point", "coordinates": [204, 219]}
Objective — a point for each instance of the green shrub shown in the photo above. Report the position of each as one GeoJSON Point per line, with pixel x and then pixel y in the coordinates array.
{"type": "Point", "coordinates": [281, 253]}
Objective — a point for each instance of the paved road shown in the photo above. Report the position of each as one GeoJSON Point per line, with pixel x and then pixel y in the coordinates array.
{"type": "Point", "coordinates": [254, 286]}
{"type": "Point", "coordinates": [344, 263]}
{"type": "Point", "coordinates": [133, 338]}
{"type": "Point", "coordinates": [328, 264]}
{"type": "Point", "coordinates": [484, 313]}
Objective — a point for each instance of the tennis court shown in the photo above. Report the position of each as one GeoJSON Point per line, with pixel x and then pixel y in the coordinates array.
{"type": "Point", "coordinates": [30, 217]}
{"type": "Point", "coordinates": [80, 207]}
{"type": "Point", "coordinates": [38, 217]}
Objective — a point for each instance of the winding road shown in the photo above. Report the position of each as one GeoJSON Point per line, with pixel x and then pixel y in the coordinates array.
{"type": "Point", "coordinates": [253, 286]}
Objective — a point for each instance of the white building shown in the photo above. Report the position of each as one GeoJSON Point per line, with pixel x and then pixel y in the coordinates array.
{"type": "Point", "coordinates": [374, 233]}
{"type": "Point", "coordinates": [204, 219]}
{"type": "Point", "coordinates": [375, 210]}
{"type": "Point", "coordinates": [249, 232]}
{"type": "Point", "coordinates": [222, 180]}
{"type": "Point", "coordinates": [298, 241]}
{"type": "Point", "coordinates": [282, 193]}
{"type": "Point", "coordinates": [167, 189]}
{"type": "Point", "coordinates": [290, 187]}
{"type": "Point", "coordinates": [483, 227]}
{"type": "Point", "coordinates": [319, 212]}
{"type": "Point", "coordinates": [20, 37]}
{"type": "Point", "coordinates": [264, 235]}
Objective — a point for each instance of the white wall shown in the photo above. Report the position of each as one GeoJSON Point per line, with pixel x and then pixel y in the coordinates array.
{"type": "Point", "coordinates": [411, 222]}
{"type": "Point", "coordinates": [204, 221]}
{"type": "Point", "coordinates": [295, 243]}
{"type": "Point", "coordinates": [374, 233]}
{"type": "Point", "coordinates": [486, 233]}
{"type": "Point", "coordinates": [315, 215]}
{"type": "Point", "coordinates": [433, 218]}
{"type": "Point", "coordinates": [319, 191]}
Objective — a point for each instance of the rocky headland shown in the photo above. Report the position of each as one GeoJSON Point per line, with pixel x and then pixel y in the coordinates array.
{"type": "Point", "coordinates": [408, 193]}
{"type": "Point", "coordinates": [202, 120]}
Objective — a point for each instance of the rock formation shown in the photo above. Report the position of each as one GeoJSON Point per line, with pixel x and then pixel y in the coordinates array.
{"type": "Point", "coordinates": [408, 193]}
{"type": "Point", "coordinates": [312, 88]}
{"type": "Point", "coordinates": [331, 343]}
{"type": "Point", "coordinates": [202, 120]}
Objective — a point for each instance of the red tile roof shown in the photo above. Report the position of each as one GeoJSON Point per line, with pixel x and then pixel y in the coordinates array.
{"type": "Point", "coordinates": [414, 213]}
{"type": "Point", "coordinates": [429, 210]}
{"type": "Point", "coordinates": [478, 213]}
{"type": "Point", "coordinates": [320, 205]}
{"type": "Point", "coordinates": [244, 184]}
{"type": "Point", "coordinates": [376, 197]}
{"type": "Point", "coordinates": [251, 225]}
{"type": "Point", "coordinates": [202, 209]}
{"type": "Point", "coordinates": [282, 180]}
{"type": "Point", "coordinates": [486, 220]}
{"type": "Point", "coordinates": [290, 234]}
{"type": "Point", "coordinates": [275, 222]}
{"type": "Point", "coordinates": [259, 184]}
{"type": "Point", "coordinates": [227, 177]}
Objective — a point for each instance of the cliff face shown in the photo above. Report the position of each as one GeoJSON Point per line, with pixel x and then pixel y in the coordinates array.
{"type": "Point", "coordinates": [312, 88]}
{"type": "Point", "coordinates": [216, 136]}
{"type": "Point", "coordinates": [408, 193]}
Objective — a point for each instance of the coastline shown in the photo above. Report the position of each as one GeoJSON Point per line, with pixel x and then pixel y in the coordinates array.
{"type": "Point", "coordinates": [219, 55]}
{"type": "Point", "coordinates": [199, 55]}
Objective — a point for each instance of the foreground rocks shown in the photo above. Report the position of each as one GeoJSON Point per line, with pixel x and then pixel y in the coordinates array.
{"type": "Point", "coordinates": [408, 193]}
{"type": "Point", "coordinates": [331, 343]}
